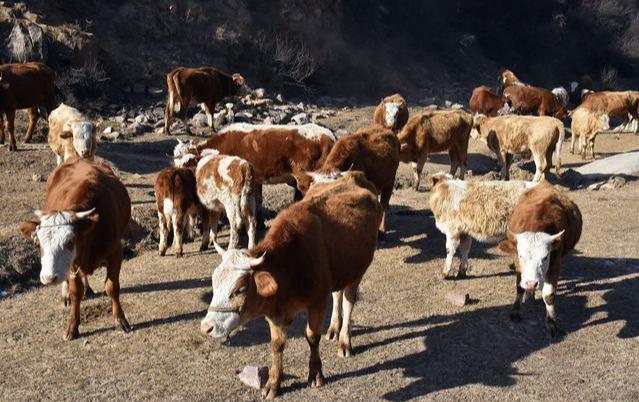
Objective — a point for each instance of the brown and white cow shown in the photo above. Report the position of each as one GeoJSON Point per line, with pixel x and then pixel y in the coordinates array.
{"type": "Point", "coordinates": [436, 131]}
{"type": "Point", "coordinates": [373, 150]}
{"type": "Point", "coordinates": [226, 184]}
{"type": "Point", "coordinates": [620, 104]}
{"type": "Point", "coordinates": [71, 134]}
{"type": "Point", "coordinates": [543, 227]}
{"type": "Point", "coordinates": [484, 101]}
{"type": "Point", "coordinates": [392, 113]}
{"type": "Point", "coordinates": [535, 101]}
{"type": "Point", "coordinates": [204, 85]}
{"type": "Point", "coordinates": [85, 215]}
{"type": "Point", "coordinates": [322, 244]}
{"type": "Point", "coordinates": [24, 86]}
{"type": "Point", "coordinates": [507, 79]}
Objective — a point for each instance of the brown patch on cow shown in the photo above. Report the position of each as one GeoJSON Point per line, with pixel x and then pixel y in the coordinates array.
{"type": "Point", "coordinates": [484, 101]}
{"type": "Point", "coordinates": [536, 101]}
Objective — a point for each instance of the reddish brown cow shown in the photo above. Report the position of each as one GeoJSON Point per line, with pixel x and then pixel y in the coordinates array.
{"type": "Point", "coordinates": [508, 79]}
{"type": "Point", "coordinates": [204, 85]}
{"type": "Point", "coordinates": [322, 244]}
{"type": "Point", "coordinates": [392, 112]}
{"type": "Point", "coordinates": [536, 101]}
{"type": "Point", "coordinates": [620, 104]}
{"type": "Point", "coordinates": [86, 213]}
{"type": "Point", "coordinates": [544, 226]}
{"type": "Point", "coordinates": [24, 86]}
{"type": "Point", "coordinates": [373, 150]}
{"type": "Point", "coordinates": [485, 101]}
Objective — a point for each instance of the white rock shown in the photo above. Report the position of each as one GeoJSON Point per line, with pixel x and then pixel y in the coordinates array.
{"type": "Point", "coordinates": [260, 93]}
{"type": "Point", "coordinates": [108, 130]}
{"type": "Point", "coordinates": [300, 118]}
{"type": "Point", "coordinates": [620, 164]}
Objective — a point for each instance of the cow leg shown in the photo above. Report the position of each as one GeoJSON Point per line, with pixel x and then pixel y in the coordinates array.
{"type": "Point", "coordinates": [112, 289]}
{"type": "Point", "coordinates": [454, 161]}
{"type": "Point", "coordinates": [573, 137]}
{"type": "Point", "coordinates": [548, 294]}
{"type": "Point", "coordinates": [541, 166]}
{"type": "Point", "coordinates": [178, 231]}
{"type": "Point", "coordinates": [33, 120]}
{"type": "Point", "coordinates": [209, 116]}
{"type": "Point", "coordinates": [11, 115]}
{"type": "Point", "coordinates": [507, 159]}
{"type": "Point", "coordinates": [88, 292]}
{"type": "Point", "coordinates": [168, 118]}
{"type": "Point", "coordinates": [258, 207]}
{"type": "Point", "coordinates": [164, 233]}
{"type": "Point", "coordinates": [64, 292]}
{"type": "Point", "coordinates": [234, 227]}
{"type": "Point", "coordinates": [519, 296]}
{"type": "Point", "coordinates": [76, 291]}
{"type": "Point", "coordinates": [466, 242]}
{"type": "Point", "coordinates": [452, 242]}
{"type": "Point", "coordinates": [1, 129]}
{"type": "Point", "coordinates": [313, 336]}
{"type": "Point", "coordinates": [251, 225]}
{"type": "Point", "coordinates": [417, 170]}
{"type": "Point", "coordinates": [384, 201]}
{"type": "Point", "coordinates": [336, 316]}
{"type": "Point", "coordinates": [210, 220]}
{"type": "Point", "coordinates": [344, 348]}
{"type": "Point", "coordinates": [278, 342]}
{"type": "Point", "coordinates": [592, 147]}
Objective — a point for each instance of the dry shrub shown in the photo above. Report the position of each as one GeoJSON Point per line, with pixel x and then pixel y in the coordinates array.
{"type": "Point", "coordinates": [289, 59]}
{"type": "Point", "coordinates": [609, 77]}
{"type": "Point", "coordinates": [80, 82]}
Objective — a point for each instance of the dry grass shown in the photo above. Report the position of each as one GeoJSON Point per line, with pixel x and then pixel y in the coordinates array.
{"type": "Point", "coordinates": [409, 341]}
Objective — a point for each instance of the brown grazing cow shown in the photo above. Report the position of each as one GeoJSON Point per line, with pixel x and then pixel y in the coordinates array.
{"type": "Point", "coordinates": [24, 86]}
{"type": "Point", "coordinates": [322, 244]}
{"type": "Point", "coordinates": [544, 226]}
{"type": "Point", "coordinates": [204, 85]}
{"type": "Point", "coordinates": [392, 113]}
{"type": "Point", "coordinates": [177, 204]}
{"type": "Point", "coordinates": [484, 101]}
{"type": "Point", "coordinates": [436, 131]}
{"type": "Point", "coordinates": [535, 101]}
{"type": "Point", "coordinates": [86, 213]}
{"type": "Point", "coordinates": [620, 104]}
{"type": "Point", "coordinates": [373, 150]}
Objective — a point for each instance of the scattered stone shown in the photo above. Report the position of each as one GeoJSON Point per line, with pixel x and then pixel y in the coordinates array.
{"type": "Point", "coordinates": [108, 130]}
{"type": "Point", "coordinates": [159, 123]}
{"type": "Point", "coordinates": [259, 93]}
{"type": "Point", "coordinates": [458, 298]}
{"type": "Point", "coordinates": [199, 120]}
{"type": "Point", "coordinates": [268, 120]}
{"type": "Point", "coordinates": [137, 128]}
{"type": "Point", "coordinates": [448, 104]}
{"type": "Point", "coordinates": [37, 177]}
{"type": "Point", "coordinates": [229, 106]}
{"type": "Point", "coordinates": [119, 119]}
{"type": "Point", "coordinates": [112, 136]}
{"type": "Point", "coordinates": [613, 183]}
{"type": "Point", "coordinates": [254, 376]}
{"type": "Point", "coordinates": [300, 118]}
{"type": "Point", "coordinates": [155, 91]}
{"type": "Point", "coordinates": [279, 98]}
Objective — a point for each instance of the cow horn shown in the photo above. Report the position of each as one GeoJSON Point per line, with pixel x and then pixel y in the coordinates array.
{"type": "Point", "coordinates": [557, 236]}
{"type": "Point", "coordinates": [220, 250]}
{"type": "Point", "coordinates": [38, 213]}
{"type": "Point", "coordinates": [254, 262]}
{"type": "Point", "coordinates": [84, 214]}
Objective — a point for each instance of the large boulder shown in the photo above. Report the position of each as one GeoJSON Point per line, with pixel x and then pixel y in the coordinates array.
{"type": "Point", "coordinates": [620, 164]}
{"type": "Point", "coordinates": [26, 42]}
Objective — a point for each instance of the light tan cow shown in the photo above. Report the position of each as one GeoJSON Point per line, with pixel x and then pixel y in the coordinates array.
{"type": "Point", "coordinates": [585, 126]}
{"type": "Point", "coordinates": [71, 134]}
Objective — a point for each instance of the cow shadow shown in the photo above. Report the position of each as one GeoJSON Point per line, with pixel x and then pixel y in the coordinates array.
{"type": "Point", "coordinates": [138, 157]}
{"type": "Point", "coordinates": [194, 283]}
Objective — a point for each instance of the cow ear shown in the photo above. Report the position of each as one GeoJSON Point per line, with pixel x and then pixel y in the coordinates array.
{"type": "Point", "coordinates": [303, 181]}
{"type": "Point", "coordinates": [433, 179]}
{"type": "Point", "coordinates": [27, 228]}
{"type": "Point", "coordinates": [266, 285]}
{"type": "Point", "coordinates": [238, 80]}
{"type": "Point", "coordinates": [66, 135]}
{"type": "Point", "coordinates": [508, 246]}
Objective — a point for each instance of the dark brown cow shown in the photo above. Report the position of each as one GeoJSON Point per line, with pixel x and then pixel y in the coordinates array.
{"type": "Point", "coordinates": [535, 101]}
{"type": "Point", "coordinates": [508, 79]}
{"type": "Point", "coordinates": [392, 112]}
{"type": "Point", "coordinates": [86, 213]}
{"type": "Point", "coordinates": [204, 85]}
{"type": "Point", "coordinates": [24, 86]}
{"type": "Point", "coordinates": [322, 244]}
{"type": "Point", "coordinates": [177, 204]}
{"type": "Point", "coordinates": [484, 101]}
{"type": "Point", "coordinates": [373, 150]}
{"type": "Point", "coordinates": [544, 226]}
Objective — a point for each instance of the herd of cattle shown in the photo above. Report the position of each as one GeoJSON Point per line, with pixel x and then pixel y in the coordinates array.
{"type": "Point", "coordinates": [324, 242]}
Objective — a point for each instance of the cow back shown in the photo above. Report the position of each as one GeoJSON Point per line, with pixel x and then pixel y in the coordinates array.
{"type": "Point", "coordinates": [31, 84]}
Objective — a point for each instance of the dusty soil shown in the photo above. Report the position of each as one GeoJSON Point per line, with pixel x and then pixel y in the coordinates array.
{"type": "Point", "coordinates": [409, 341]}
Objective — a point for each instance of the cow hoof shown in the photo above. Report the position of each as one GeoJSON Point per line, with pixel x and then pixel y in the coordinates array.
{"type": "Point", "coordinates": [316, 380]}
{"type": "Point", "coordinates": [344, 350]}
{"type": "Point", "coordinates": [162, 253]}
{"type": "Point", "coordinates": [461, 275]}
{"type": "Point", "coordinates": [179, 255]}
{"type": "Point", "coordinates": [552, 329]}
{"type": "Point", "coordinates": [445, 275]}
{"type": "Point", "coordinates": [332, 334]}
{"type": "Point", "coordinates": [203, 247]}
{"type": "Point", "coordinates": [515, 316]}
{"type": "Point", "coordinates": [269, 392]}
{"type": "Point", "coordinates": [122, 324]}
{"type": "Point", "coordinates": [71, 334]}
{"type": "Point", "coordinates": [12, 147]}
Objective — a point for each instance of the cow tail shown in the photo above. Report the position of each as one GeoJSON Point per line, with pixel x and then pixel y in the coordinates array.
{"type": "Point", "coordinates": [560, 141]}
{"type": "Point", "coordinates": [248, 203]}
{"type": "Point", "coordinates": [176, 106]}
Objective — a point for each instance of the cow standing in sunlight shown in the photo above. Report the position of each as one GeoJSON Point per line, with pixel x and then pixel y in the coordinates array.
{"type": "Point", "coordinates": [544, 227]}
{"type": "Point", "coordinates": [321, 244]}
{"type": "Point", "coordinates": [392, 113]}
{"type": "Point", "coordinates": [86, 212]}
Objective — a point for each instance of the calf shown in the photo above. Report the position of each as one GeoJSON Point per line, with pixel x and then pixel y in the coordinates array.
{"type": "Point", "coordinates": [544, 226]}
{"type": "Point", "coordinates": [522, 135]}
{"type": "Point", "coordinates": [471, 210]}
{"type": "Point", "coordinates": [226, 184]}
{"type": "Point", "coordinates": [484, 101]}
{"type": "Point", "coordinates": [436, 131]}
{"type": "Point", "coordinates": [535, 101]}
{"type": "Point", "coordinates": [373, 150]}
{"type": "Point", "coordinates": [24, 86]}
{"type": "Point", "coordinates": [621, 104]}
{"type": "Point", "coordinates": [392, 113]}
{"type": "Point", "coordinates": [71, 134]}
{"type": "Point", "coordinates": [204, 85]}
{"type": "Point", "coordinates": [586, 125]}
{"type": "Point", "coordinates": [86, 213]}
{"type": "Point", "coordinates": [177, 204]}
{"type": "Point", "coordinates": [322, 244]}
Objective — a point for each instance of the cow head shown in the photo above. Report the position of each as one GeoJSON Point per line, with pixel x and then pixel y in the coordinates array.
{"type": "Point", "coordinates": [533, 251]}
{"type": "Point", "coordinates": [434, 179]}
{"type": "Point", "coordinates": [305, 180]}
{"type": "Point", "coordinates": [185, 154]}
{"type": "Point", "coordinates": [478, 120]}
{"type": "Point", "coordinates": [82, 133]}
{"type": "Point", "coordinates": [391, 110]}
{"type": "Point", "coordinates": [241, 88]}
{"type": "Point", "coordinates": [56, 233]}
{"type": "Point", "coordinates": [240, 289]}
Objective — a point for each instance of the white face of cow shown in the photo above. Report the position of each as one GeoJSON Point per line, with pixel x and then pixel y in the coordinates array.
{"type": "Point", "coordinates": [56, 235]}
{"type": "Point", "coordinates": [392, 108]}
{"type": "Point", "coordinates": [533, 250]}
{"type": "Point", "coordinates": [230, 290]}
{"type": "Point", "coordinates": [82, 137]}
{"type": "Point", "coordinates": [605, 122]}
{"type": "Point", "coordinates": [183, 153]}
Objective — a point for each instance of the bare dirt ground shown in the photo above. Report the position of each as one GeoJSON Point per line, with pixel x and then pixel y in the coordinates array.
{"type": "Point", "coordinates": [409, 341]}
